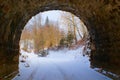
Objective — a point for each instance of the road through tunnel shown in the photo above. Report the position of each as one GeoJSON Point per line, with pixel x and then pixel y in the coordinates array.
{"type": "Point", "coordinates": [100, 17]}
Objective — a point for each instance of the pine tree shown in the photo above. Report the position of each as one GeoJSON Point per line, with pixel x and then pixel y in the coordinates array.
{"type": "Point", "coordinates": [70, 38]}
{"type": "Point", "coordinates": [47, 22]}
{"type": "Point", "coordinates": [62, 42]}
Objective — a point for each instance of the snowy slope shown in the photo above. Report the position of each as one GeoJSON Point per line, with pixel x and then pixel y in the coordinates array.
{"type": "Point", "coordinates": [58, 65]}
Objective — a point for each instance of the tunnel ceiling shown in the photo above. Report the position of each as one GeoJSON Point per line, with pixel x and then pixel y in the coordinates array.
{"type": "Point", "coordinates": [102, 18]}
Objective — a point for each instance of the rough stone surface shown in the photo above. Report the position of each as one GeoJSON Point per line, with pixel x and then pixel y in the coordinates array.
{"type": "Point", "coordinates": [102, 18]}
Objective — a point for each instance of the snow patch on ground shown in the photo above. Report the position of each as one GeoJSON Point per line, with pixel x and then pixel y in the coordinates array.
{"type": "Point", "coordinates": [58, 65]}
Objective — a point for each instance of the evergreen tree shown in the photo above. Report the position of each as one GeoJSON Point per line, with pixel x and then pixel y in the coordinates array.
{"type": "Point", "coordinates": [47, 22]}
{"type": "Point", "coordinates": [70, 38]}
{"type": "Point", "coordinates": [62, 42]}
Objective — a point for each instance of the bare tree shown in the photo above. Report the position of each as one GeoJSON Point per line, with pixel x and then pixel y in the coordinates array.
{"type": "Point", "coordinates": [73, 23]}
{"type": "Point", "coordinates": [70, 20]}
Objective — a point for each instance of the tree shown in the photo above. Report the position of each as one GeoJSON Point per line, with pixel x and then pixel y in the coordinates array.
{"type": "Point", "coordinates": [45, 36]}
{"type": "Point", "coordinates": [35, 33]}
{"type": "Point", "coordinates": [70, 38]}
{"type": "Point", "coordinates": [74, 25]}
{"type": "Point", "coordinates": [70, 21]}
{"type": "Point", "coordinates": [47, 21]}
{"type": "Point", "coordinates": [25, 37]}
{"type": "Point", "coordinates": [62, 42]}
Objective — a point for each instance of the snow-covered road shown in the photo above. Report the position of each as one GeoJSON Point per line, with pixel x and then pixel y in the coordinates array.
{"type": "Point", "coordinates": [58, 65]}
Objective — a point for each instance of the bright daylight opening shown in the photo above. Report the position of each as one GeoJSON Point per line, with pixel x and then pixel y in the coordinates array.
{"type": "Point", "coordinates": [54, 46]}
{"type": "Point", "coordinates": [53, 30]}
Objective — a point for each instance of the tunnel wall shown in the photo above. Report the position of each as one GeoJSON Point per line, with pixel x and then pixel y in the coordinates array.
{"type": "Point", "coordinates": [100, 16]}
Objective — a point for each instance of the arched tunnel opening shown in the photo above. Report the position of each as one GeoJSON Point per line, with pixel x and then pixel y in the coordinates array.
{"type": "Point", "coordinates": [53, 28]}
{"type": "Point", "coordinates": [52, 37]}
{"type": "Point", "coordinates": [100, 17]}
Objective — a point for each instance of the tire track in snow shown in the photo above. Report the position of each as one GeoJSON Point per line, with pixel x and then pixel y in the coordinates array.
{"type": "Point", "coordinates": [32, 74]}
{"type": "Point", "coordinates": [65, 76]}
{"type": "Point", "coordinates": [53, 67]}
{"type": "Point", "coordinates": [44, 74]}
{"type": "Point", "coordinates": [34, 71]}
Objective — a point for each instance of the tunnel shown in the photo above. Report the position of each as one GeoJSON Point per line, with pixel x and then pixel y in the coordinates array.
{"type": "Point", "coordinates": [101, 17]}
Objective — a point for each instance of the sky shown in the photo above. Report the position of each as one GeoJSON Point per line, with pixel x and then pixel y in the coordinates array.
{"type": "Point", "coordinates": [52, 15]}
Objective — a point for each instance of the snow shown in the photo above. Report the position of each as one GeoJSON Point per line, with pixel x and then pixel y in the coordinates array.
{"type": "Point", "coordinates": [58, 65]}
